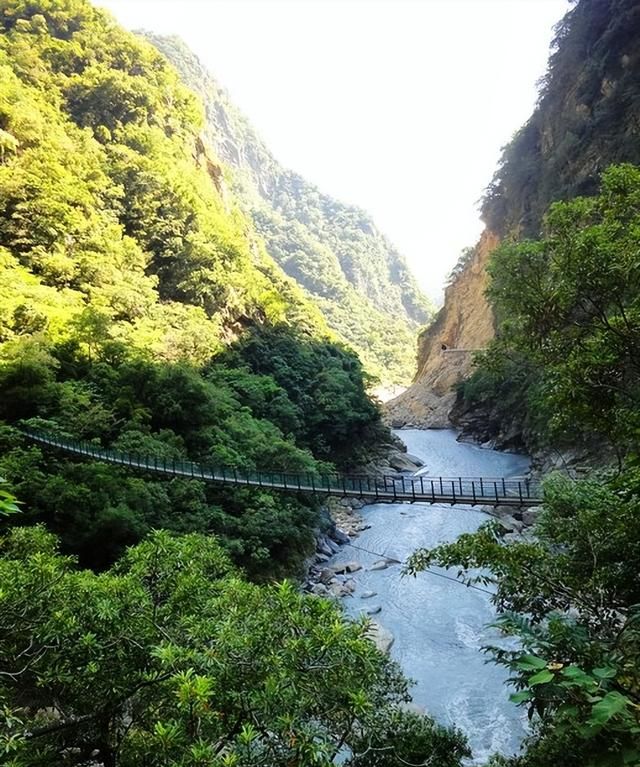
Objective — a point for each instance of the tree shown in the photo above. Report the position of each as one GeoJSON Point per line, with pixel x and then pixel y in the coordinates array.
{"type": "Point", "coordinates": [170, 659]}
{"type": "Point", "coordinates": [571, 598]}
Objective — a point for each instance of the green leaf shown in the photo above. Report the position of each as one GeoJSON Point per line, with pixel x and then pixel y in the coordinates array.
{"type": "Point", "coordinates": [612, 703]}
{"type": "Point", "coordinates": [605, 672]}
{"type": "Point", "coordinates": [530, 663]}
{"type": "Point", "coordinates": [520, 697]}
{"type": "Point", "coordinates": [542, 677]}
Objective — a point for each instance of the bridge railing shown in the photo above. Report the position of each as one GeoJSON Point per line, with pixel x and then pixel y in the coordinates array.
{"type": "Point", "coordinates": [473, 490]}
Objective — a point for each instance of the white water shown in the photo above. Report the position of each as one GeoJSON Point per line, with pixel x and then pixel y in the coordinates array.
{"type": "Point", "coordinates": [440, 626]}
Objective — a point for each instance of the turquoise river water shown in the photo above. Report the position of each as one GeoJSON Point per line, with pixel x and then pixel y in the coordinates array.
{"type": "Point", "coordinates": [440, 626]}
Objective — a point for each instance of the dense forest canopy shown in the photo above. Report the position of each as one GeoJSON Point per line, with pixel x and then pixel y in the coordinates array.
{"type": "Point", "coordinates": [140, 308]}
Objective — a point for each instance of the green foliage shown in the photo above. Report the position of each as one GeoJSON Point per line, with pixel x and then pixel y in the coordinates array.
{"type": "Point", "coordinates": [571, 598]}
{"type": "Point", "coordinates": [349, 270]}
{"type": "Point", "coordinates": [170, 659]}
{"type": "Point", "coordinates": [126, 269]}
{"type": "Point", "coordinates": [109, 199]}
{"type": "Point", "coordinates": [569, 320]}
{"type": "Point", "coordinates": [8, 504]}
{"type": "Point", "coordinates": [585, 120]}
{"type": "Point", "coordinates": [326, 386]}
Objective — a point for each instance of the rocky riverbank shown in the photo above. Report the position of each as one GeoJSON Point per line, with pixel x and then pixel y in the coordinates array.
{"type": "Point", "coordinates": [335, 581]}
{"type": "Point", "coordinates": [515, 523]}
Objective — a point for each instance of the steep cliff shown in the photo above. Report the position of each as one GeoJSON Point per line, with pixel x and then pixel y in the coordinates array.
{"type": "Point", "coordinates": [356, 277]}
{"type": "Point", "coordinates": [587, 117]}
{"type": "Point", "coordinates": [445, 349]}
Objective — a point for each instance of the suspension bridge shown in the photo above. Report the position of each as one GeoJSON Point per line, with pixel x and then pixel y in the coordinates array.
{"type": "Point", "coordinates": [490, 491]}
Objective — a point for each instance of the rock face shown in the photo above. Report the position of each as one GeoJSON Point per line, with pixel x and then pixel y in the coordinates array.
{"type": "Point", "coordinates": [464, 324]}
{"type": "Point", "coordinates": [586, 118]}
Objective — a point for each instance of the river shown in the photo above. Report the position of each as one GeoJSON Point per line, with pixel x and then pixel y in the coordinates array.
{"type": "Point", "coordinates": [439, 626]}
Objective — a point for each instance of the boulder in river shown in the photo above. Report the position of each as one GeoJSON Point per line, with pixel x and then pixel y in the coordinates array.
{"type": "Point", "coordinates": [338, 590]}
{"type": "Point", "coordinates": [368, 594]}
{"type": "Point", "coordinates": [404, 462]}
{"type": "Point", "coordinates": [326, 575]}
{"type": "Point", "coordinates": [381, 637]}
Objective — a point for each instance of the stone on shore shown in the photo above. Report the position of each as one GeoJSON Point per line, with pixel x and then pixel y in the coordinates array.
{"type": "Point", "coordinates": [340, 537]}
{"type": "Point", "coordinates": [530, 516]}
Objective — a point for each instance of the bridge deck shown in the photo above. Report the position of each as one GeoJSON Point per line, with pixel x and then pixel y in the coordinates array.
{"type": "Point", "coordinates": [392, 488]}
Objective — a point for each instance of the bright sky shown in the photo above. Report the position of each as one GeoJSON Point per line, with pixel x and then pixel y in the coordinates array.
{"type": "Point", "coordinates": [397, 106]}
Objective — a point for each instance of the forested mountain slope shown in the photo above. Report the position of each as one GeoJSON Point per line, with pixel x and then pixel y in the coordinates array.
{"type": "Point", "coordinates": [587, 117]}
{"type": "Point", "coordinates": [140, 309]}
{"type": "Point", "coordinates": [350, 270]}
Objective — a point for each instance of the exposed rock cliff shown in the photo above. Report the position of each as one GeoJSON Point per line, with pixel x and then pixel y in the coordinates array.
{"type": "Point", "coordinates": [445, 349]}
{"type": "Point", "coordinates": [587, 117]}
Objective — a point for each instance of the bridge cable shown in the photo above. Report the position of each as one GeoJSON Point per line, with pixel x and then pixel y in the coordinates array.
{"type": "Point", "coordinates": [392, 560]}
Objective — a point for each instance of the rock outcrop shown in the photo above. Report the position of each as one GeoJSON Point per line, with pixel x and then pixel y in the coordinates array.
{"type": "Point", "coordinates": [446, 348]}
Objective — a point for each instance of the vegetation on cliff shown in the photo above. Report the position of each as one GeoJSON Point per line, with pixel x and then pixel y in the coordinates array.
{"type": "Point", "coordinates": [350, 271]}
{"type": "Point", "coordinates": [139, 308]}
{"type": "Point", "coordinates": [587, 118]}
{"type": "Point", "coordinates": [564, 367]}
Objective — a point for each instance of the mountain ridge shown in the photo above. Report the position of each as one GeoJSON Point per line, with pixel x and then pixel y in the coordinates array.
{"type": "Point", "coordinates": [334, 250]}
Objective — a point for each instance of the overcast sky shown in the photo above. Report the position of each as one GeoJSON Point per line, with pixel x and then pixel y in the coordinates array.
{"type": "Point", "coordinates": [397, 106]}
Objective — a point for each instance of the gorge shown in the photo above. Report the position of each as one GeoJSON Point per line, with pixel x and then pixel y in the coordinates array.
{"type": "Point", "coordinates": [169, 290]}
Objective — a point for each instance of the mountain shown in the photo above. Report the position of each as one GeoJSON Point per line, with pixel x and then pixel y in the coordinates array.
{"type": "Point", "coordinates": [140, 309]}
{"type": "Point", "coordinates": [359, 281]}
{"type": "Point", "coordinates": [587, 117]}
